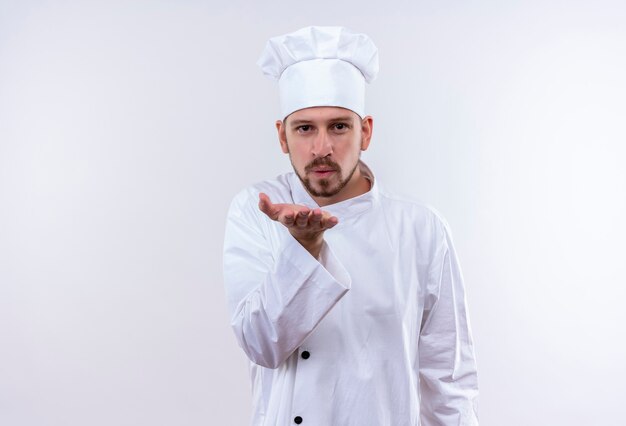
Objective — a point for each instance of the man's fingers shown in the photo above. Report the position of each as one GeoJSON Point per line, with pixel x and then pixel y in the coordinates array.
{"type": "Point", "coordinates": [264, 202]}
{"type": "Point", "coordinates": [329, 222]}
{"type": "Point", "coordinates": [292, 215]}
{"type": "Point", "coordinates": [266, 206]}
{"type": "Point", "coordinates": [316, 218]}
{"type": "Point", "coordinates": [289, 219]}
{"type": "Point", "coordinates": [302, 218]}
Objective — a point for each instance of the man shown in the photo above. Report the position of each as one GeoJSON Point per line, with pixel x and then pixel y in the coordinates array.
{"type": "Point", "coordinates": [348, 300]}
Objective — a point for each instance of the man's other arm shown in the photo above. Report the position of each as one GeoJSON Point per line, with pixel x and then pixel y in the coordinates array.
{"type": "Point", "coordinates": [447, 369]}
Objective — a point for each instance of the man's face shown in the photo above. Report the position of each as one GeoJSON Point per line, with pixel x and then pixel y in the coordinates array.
{"type": "Point", "coordinates": [324, 146]}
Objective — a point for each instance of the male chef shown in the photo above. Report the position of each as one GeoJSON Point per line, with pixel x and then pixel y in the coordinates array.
{"type": "Point", "coordinates": [348, 300]}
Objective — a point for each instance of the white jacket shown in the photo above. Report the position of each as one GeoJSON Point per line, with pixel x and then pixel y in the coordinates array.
{"type": "Point", "coordinates": [375, 333]}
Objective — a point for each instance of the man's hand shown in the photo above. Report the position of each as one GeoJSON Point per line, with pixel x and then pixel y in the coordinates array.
{"type": "Point", "coordinates": [306, 225]}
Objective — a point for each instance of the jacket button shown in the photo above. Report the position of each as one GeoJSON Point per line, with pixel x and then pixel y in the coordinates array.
{"type": "Point", "coordinates": [305, 354]}
{"type": "Point", "coordinates": [297, 420]}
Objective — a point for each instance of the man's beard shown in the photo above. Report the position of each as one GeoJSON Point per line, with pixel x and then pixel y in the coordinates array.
{"type": "Point", "coordinates": [325, 190]}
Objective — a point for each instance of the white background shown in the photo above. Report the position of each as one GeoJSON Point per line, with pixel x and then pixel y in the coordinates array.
{"type": "Point", "coordinates": [127, 127]}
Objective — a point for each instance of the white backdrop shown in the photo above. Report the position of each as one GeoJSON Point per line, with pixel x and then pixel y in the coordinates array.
{"type": "Point", "coordinates": [126, 128]}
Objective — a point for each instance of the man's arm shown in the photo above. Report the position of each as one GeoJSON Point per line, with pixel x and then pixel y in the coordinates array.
{"type": "Point", "coordinates": [447, 369]}
{"type": "Point", "coordinates": [275, 303]}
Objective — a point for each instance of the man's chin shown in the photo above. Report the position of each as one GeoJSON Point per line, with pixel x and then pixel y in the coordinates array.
{"type": "Point", "coordinates": [324, 192]}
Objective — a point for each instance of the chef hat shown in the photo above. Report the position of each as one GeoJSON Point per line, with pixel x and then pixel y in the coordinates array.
{"type": "Point", "coordinates": [320, 66]}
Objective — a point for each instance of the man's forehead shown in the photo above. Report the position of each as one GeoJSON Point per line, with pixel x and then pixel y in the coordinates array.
{"type": "Point", "coordinates": [313, 114]}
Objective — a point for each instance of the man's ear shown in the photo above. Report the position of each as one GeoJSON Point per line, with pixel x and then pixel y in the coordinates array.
{"type": "Point", "coordinates": [281, 128]}
{"type": "Point", "coordinates": [367, 127]}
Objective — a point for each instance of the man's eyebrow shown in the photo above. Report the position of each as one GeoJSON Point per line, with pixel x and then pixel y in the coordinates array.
{"type": "Point", "coordinates": [298, 122]}
{"type": "Point", "coordinates": [342, 118]}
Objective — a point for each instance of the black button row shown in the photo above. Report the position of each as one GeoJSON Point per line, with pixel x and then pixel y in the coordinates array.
{"type": "Point", "coordinates": [305, 355]}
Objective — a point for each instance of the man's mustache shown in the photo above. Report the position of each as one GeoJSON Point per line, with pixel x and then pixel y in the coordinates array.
{"type": "Point", "coordinates": [322, 162]}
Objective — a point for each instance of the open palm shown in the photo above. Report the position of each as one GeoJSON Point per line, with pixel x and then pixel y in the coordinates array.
{"type": "Point", "coordinates": [303, 223]}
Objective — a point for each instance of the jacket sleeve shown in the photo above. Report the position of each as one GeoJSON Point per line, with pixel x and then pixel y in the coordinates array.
{"type": "Point", "coordinates": [447, 367]}
{"type": "Point", "coordinates": [276, 298]}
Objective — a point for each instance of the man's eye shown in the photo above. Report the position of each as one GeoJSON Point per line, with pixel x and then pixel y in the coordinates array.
{"type": "Point", "coordinates": [340, 126]}
{"type": "Point", "coordinates": [304, 128]}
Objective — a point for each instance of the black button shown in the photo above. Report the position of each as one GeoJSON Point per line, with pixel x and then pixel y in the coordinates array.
{"type": "Point", "coordinates": [305, 354]}
{"type": "Point", "coordinates": [297, 420]}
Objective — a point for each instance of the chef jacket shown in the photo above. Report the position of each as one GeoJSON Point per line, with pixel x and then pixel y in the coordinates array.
{"type": "Point", "coordinates": [375, 332]}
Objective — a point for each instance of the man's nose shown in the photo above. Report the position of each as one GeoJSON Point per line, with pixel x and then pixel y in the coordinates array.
{"type": "Point", "coordinates": [322, 145]}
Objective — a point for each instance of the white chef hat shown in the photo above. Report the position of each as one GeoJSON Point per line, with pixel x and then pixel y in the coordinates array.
{"type": "Point", "coordinates": [320, 66]}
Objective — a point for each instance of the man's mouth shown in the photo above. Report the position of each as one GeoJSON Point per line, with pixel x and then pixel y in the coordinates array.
{"type": "Point", "coordinates": [323, 172]}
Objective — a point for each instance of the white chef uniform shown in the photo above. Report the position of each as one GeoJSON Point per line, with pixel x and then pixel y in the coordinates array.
{"type": "Point", "coordinates": [375, 333]}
